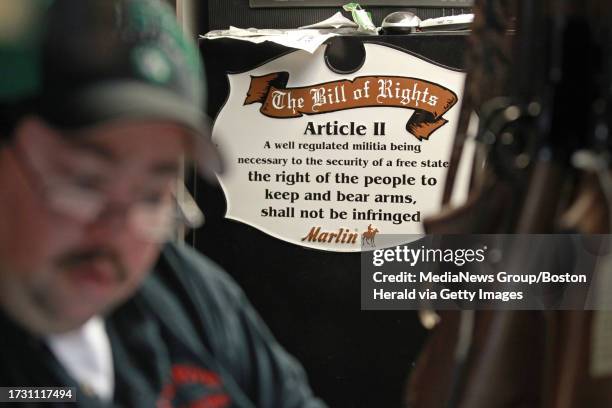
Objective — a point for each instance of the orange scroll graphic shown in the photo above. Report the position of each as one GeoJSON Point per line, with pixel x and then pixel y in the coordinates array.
{"type": "Point", "coordinates": [429, 100]}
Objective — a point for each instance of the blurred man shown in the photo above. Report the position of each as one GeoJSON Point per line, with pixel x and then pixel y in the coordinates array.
{"type": "Point", "coordinates": [100, 100]}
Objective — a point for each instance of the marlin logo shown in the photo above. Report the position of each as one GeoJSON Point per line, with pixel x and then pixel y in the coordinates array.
{"type": "Point", "coordinates": [342, 236]}
{"type": "Point", "coordinates": [369, 236]}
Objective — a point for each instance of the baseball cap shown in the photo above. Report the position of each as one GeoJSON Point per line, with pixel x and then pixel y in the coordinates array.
{"type": "Point", "coordinates": [79, 63]}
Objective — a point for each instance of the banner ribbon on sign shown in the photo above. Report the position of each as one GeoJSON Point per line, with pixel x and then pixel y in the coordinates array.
{"type": "Point", "coordinates": [430, 101]}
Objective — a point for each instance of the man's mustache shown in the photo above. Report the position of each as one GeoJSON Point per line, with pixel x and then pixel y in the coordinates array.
{"type": "Point", "coordinates": [77, 258]}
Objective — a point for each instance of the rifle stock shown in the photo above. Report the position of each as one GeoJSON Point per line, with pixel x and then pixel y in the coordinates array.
{"type": "Point", "coordinates": [523, 358]}
{"type": "Point", "coordinates": [491, 199]}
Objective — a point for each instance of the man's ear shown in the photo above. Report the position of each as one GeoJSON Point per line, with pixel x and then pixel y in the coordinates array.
{"type": "Point", "coordinates": [35, 136]}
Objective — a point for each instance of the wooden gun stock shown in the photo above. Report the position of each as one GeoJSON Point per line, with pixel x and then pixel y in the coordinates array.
{"type": "Point", "coordinates": [484, 212]}
{"type": "Point", "coordinates": [500, 370]}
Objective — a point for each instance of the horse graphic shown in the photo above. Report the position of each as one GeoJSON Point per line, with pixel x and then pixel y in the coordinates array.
{"type": "Point", "coordinates": [368, 236]}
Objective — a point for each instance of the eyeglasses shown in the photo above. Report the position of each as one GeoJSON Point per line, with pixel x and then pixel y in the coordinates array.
{"type": "Point", "coordinates": [157, 215]}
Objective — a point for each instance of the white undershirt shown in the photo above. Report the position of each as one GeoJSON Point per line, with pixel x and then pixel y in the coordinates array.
{"type": "Point", "coordinates": [86, 354]}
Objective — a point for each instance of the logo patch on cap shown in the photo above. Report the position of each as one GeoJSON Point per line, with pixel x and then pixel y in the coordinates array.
{"type": "Point", "coordinates": [152, 64]}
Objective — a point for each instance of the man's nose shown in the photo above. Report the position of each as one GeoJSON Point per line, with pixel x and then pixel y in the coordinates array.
{"type": "Point", "coordinates": [112, 224]}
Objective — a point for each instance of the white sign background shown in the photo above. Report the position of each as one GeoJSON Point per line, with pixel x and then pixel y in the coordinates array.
{"type": "Point", "coordinates": [242, 131]}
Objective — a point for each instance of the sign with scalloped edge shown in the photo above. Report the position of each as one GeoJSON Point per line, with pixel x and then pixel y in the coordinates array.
{"type": "Point", "coordinates": [330, 161]}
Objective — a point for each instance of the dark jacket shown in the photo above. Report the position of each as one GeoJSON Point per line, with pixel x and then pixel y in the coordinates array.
{"type": "Point", "coordinates": [188, 337]}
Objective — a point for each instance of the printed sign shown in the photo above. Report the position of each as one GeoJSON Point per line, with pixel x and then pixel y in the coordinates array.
{"type": "Point", "coordinates": [329, 161]}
